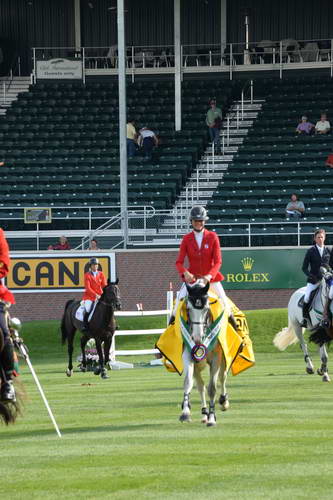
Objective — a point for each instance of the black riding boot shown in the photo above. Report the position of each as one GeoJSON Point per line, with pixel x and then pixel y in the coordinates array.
{"type": "Point", "coordinates": [325, 322]}
{"type": "Point", "coordinates": [306, 315]}
{"type": "Point", "coordinates": [233, 322]}
{"type": "Point", "coordinates": [7, 365]}
{"type": "Point", "coordinates": [85, 328]}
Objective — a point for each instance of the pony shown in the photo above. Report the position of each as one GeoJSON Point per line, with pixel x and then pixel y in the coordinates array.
{"type": "Point", "coordinates": [199, 319]}
{"type": "Point", "coordinates": [102, 326]}
{"type": "Point", "coordinates": [321, 331]}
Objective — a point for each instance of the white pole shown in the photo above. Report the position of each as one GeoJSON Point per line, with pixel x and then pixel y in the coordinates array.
{"type": "Point", "coordinates": [122, 118]}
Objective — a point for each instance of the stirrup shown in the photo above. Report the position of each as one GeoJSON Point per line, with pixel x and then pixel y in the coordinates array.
{"type": "Point", "coordinates": [325, 323]}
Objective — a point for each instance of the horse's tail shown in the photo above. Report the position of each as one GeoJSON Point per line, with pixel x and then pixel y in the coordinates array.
{"type": "Point", "coordinates": [285, 337]}
{"type": "Point", "coordinates": [63, 328]}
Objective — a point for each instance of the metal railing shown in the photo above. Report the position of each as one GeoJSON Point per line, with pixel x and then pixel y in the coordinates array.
{"type": "Point", "coordinates": [15, 70]}
{"type": "Point", "coordinates": [146, 225]}
{"type": "Point", "coordinates": [276, 55]}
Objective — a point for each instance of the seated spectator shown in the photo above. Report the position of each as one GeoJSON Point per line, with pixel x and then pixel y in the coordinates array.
{"type": "Point", "coordinates": [329, 161]}
{"type": "Point", "coordinates": [305, 127]}
{"type": "Point", "coordinates": [2, 163]}
{"type": "Point", "coordinates": [147, 140]}
{"type": "Point", "coordinates": [323, 126]}
{"type": "Point", "coordinates": [61, 245]}
{"type": "Point", "coordinates": [94, 245]}
{"type": "Point", "coordinates": [295, 207]}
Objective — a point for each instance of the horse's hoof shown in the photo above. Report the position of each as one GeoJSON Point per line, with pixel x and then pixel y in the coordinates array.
{"type": "Point", "coordinates": [211, 421]}
{"type": "Point", "coordinates": [204, 419]}
{"type": "Point", "coordinates": [309, 370]}
{"type": "Point", "coordinates": [320, 372]}
{"type": "Point", "coordinates": [224, 402]}
{"type": "Point", "coordinates": [326, 378]}
{"type": "Point", "coordinates": [69, 372]}
{"type": "Point", "coordinates": [104, 375]}
{"type": "Point", "coordinates": [97, 371]}
{"type": "Point", "coordinates": [185, 418]}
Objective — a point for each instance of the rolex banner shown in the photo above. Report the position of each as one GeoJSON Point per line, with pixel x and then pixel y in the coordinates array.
{"type": "Point", "coordinates": [257, 269]}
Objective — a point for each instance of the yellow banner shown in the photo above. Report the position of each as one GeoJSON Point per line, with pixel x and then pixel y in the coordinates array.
{"type": "Point", "coordinates": [62, 272]}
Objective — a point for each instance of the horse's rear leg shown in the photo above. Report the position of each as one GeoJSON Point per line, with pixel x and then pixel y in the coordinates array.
{"type": "Point", "coordinates": [70, 348]}
{"type": "Point", "coordinates": [188, 385]}
{"type": "Point", "coordinates": [107, 347]}
{"type": "Point", "coordinates": [309, 368]}
{"type": "Point", "coordinates": [323, 370]}
{"type": "Point", "coordinates": [224, 399]}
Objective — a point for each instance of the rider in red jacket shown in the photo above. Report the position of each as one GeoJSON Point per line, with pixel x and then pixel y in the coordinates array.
{"type": "Point", "coordinates": [94, 282]}
{"type": "Point", "coordinates": [6, 299]}
{"type": "Point", "coordinates": [203, 252]}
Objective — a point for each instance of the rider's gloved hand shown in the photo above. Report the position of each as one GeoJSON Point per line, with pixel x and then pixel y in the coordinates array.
{"type": "Point", "coordinates": [189, 277]}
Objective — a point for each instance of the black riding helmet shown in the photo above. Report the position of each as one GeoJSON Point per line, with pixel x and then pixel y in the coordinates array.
{"type": "Point", "coordinates": [198, 213]}
{"type": "Point", "coordinates": [93, 260]}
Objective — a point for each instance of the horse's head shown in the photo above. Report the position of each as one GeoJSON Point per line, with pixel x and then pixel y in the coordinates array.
{"type": "Point", "coordinates": [111, 295]}
{"type": "Point", "coordinates": [198, 309]}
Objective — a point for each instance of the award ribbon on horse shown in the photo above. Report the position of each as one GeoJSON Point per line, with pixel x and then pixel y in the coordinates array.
{"type": "Point", "coordinates": [199, 351]}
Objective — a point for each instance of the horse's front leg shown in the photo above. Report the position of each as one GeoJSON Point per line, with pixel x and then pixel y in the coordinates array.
{"type": "Point", "coordinates": [308, 361]}
{"type": "Point", "coordinates": [212, 386]}
{"type": "Point", "coordinates": [83, 366]}
{"type": "Point", "coordinates": [107, 347]}
{"type": "Point", "coordinates": [188, 384]}
{"type": "Point", "coordinates": [224, 399]}
{"type": "Point", "coordinates": [323, 370]}
{"type": "Point", "coordinates": [101, 370]}
{"type": "Point", "coordinates": [198, 368]}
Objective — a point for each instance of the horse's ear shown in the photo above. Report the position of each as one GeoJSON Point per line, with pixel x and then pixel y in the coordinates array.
{"type": "Point", "coordinates": [117, 281]}
{"type": "Point", "coordinates": [206, 287]}
{"type": "Point", "coordinates": [108, 282]}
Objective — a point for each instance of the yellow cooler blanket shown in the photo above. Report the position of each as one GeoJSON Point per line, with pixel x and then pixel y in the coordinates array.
{"type": "Point", "coordinates": [237, 346]}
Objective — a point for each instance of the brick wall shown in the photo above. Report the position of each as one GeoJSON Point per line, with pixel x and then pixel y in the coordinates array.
{"type": "Point", "coordinates": [144, 276]}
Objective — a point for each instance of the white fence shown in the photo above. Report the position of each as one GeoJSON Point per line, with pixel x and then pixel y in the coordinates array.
{"type": "Point", "coordinates": [154, 331]}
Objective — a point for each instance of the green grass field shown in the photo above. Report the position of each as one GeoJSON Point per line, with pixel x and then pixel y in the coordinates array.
{"type": "Point", "coordinates": [121, 437]}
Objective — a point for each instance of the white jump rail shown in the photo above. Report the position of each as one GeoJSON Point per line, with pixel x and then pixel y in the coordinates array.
{"type": "Point", "coordinates": [153, 331]}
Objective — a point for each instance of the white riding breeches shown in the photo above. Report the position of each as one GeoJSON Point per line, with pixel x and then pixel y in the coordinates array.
{"type": "Point", "coordinates": [308, 290]}
{"type": "Point", "coordinates": [87, 305]}
{"type": "Point", "coordinates": [215, 287]}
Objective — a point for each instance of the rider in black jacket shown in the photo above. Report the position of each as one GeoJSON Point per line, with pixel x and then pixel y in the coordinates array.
{"type": "Point", "coordinates": [316, 257]}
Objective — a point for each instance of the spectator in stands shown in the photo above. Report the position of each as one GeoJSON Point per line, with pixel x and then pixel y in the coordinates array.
{"type": "Point", "coordinates": [323, 126]}
{"type": "Point", "coordinates": [295, 207]}
{"type": "Point", "coordinates": [214, 123]}
{"type": "Point", "coordinates": [131, 138]}
{"type": "Point", "coordinates": [2, 163]}
{"type": "Point", "coordinates": [61, 245]}
{"type": "Point", "coordinates": [147, 141]}
{"type": "Point", "coordinates": [329, 161]}
{"type": "Point", "coordinates": [93, 245]}
{"type": "Point", "coordinates": [305, 127]}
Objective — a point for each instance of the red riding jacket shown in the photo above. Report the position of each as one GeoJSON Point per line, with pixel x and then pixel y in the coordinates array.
{"type": "Point", "coordinates": [204, 260]}
{"type": "Point", "coordinates": [5, 294]}
{"type": "Point", "coordinates": [93, 285]}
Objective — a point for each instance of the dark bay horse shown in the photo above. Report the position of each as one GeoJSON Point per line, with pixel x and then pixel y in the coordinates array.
{"type": "Point", "coordinates": [101, 328]}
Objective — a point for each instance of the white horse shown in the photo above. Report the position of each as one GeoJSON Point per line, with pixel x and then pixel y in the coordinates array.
{"type": "Point", "coordinates": [318, 334]}
{"type": "Point", "coordinates": [199, 317]}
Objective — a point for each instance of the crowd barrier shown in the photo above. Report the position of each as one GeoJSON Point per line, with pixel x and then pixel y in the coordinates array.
{"type": "Point", "coordinates": [115, 364]}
